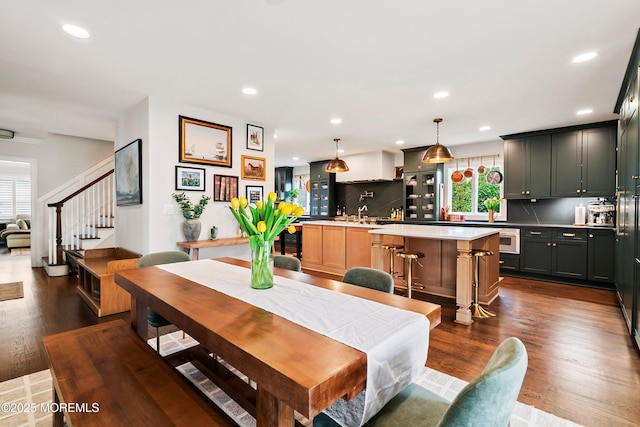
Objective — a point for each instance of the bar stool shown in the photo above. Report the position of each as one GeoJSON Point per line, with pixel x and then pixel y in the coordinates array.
{"type": "Point", "coordinates": [476, 309]}
{"type": "Point", "coordinates": [409, 257]}
{"type": "Point", "coordinates": [392, 248]}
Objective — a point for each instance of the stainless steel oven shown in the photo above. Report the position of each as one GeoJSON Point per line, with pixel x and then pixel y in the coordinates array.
{"type": "Point", "coordinates": [510, 240]}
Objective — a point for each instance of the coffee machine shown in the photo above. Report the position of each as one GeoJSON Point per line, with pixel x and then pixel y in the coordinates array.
{"type": "Point", "coordinates": [601, 213]}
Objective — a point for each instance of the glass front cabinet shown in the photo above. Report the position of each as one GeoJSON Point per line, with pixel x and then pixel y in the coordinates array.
{"type": "Point", "coordinates": [421, 195]}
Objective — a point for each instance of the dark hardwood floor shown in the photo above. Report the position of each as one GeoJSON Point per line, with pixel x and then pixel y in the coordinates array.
{"type": "Point", "coordinates": [582, 364]}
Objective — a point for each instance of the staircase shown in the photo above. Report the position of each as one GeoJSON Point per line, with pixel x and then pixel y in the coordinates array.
{"type": "Point", "coordinates": [82, 220]}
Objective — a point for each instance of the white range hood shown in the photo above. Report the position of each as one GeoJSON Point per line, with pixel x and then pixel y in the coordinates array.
{"type": "Point", "coordinates": [373, 166]}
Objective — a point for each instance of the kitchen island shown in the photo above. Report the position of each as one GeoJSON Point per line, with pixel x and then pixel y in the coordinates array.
{"type": "Point", "coordinates": [448, 266]}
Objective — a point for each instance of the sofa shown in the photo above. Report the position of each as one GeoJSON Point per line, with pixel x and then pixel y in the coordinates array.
{"type": "Point", "coordinates": [18, 234]}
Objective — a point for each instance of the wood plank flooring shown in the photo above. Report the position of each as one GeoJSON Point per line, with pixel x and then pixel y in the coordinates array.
{"type": "Point", "coordinates": [582, 364]}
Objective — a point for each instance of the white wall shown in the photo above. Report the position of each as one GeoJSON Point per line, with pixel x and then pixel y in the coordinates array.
{"type": "Point", "coordinates": [146, 228]}
{"type": "Point", "coordinates": [132, 222]}
{"type": "Point", "coordinates": [59, 157]}
{"type": "Point", "coordinates": [478, 149]}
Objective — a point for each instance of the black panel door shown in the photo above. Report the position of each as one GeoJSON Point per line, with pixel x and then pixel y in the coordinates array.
{"type": "Point", "coordinates": [599, 162]}
{"type": "Point", "coordinates": [566, 159]}
{"type": "Point", "coordinates": [601, 261]}
{"type": "Point", "coordinates": [536, 256]}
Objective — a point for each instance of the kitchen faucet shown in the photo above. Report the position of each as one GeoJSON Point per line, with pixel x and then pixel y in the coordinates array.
{"type": "Point", "coordinates": [360, 210]}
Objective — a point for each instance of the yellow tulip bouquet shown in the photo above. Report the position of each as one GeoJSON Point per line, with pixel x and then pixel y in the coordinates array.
{"type": "Point", "coordinates": [262, 222]}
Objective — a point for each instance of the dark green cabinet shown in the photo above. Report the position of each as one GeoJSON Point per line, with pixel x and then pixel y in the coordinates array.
{"type": "Point", "coordinates": [420, 194]}
{"type": "Point", "coordinates": [556, 252]}
{"type": "Point", "coordinates": [322, 184]}
{"type": "Point", "coordinates": [535, 251]}
{"type": "Point", "coordinates": [628, 235]}
{"type": "Point", "coordinates": [283, 182]}
{"type": "Point", "coordinates": [527, 167]}
{"type": "Point", "coordinates": [601, 261]}
{"type": "Point", "coordinates": [583, 162]}
{"type": "Point", "coordinates": [413, 159]}
{"type": "Point", "coordinates": [509, 262]}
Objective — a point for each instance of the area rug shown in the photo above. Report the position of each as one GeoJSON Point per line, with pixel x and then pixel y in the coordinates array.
{"type": "Point", "coordinates": [11, 290]}
{"type": "Point", "coordinates": [20, 251]}
{"type": "Point", "coordinates": [35, 389]}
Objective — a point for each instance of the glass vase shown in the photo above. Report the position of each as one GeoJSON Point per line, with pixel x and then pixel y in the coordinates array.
{"type": "Point", "coordinates": [262, 265]}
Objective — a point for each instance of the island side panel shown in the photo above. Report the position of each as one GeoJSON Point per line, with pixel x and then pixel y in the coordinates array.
{"type": "Point", "coordinates": [464, 278]}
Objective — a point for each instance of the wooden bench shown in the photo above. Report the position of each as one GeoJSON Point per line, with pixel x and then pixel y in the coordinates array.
{"type": "Point", "coordinates": [95, 279]}
{"type": "Point", "coordinates": [106, 376]}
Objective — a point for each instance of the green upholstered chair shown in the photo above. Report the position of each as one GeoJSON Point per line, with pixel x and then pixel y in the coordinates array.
{"type": "Point", "coordinates": [153, 318]}
{"type": "Point", "coordinates": [288, 262]}
{"type": "Point", "coordinates": [369, 278]}
{"type": "Point", "coordinates": [486, 401]}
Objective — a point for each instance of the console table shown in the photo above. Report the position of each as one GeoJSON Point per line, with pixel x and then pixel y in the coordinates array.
{"type": "Point", "coordinates": [228, 241]}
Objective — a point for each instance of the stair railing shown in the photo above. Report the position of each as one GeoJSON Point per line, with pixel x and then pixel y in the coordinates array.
{"type": "Point", "coordinates": [79, 216]}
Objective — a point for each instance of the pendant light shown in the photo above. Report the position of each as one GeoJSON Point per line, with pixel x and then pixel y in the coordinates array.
{"type": "Point", "coordinates": [437, 153]}
{"type": "Point", "coordinates": [337, 165]}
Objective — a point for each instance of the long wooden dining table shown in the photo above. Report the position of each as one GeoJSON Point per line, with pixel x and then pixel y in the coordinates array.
{"type": "Point", "coordinates": [295, 368]}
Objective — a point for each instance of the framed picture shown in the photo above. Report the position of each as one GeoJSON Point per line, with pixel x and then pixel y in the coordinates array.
{"type": "Point", "coordinates": [225, 188]}
{"type": "Point", "coordinates": [254, 168]}
{"type": "Point", "coordinates": [204, 143]}
{"type": "Point", "coordinates": [255, 138]}
{"type": "Point", "coordinates": [128, 174]}
{"type": "Point", "coordinates": [254, 193]}
{"type": "Point", "coordinates": [190, 179]}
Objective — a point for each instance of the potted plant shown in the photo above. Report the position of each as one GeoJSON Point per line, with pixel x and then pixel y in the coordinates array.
{"type": "Point", "coordinates": [191, 227]}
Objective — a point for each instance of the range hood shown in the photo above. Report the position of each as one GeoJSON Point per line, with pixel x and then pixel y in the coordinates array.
{"type": "Point", "coordinates": [367, 167]}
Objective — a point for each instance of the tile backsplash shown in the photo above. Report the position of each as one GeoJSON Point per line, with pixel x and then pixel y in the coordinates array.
{"type": "Point", "coordinates": [386, 196]}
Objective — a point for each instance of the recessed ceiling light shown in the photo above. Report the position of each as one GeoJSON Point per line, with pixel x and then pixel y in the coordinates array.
{"type": "Point", "coordinates": [585, 57]}
{"type": "Point", "coordinates": [336, 121]}
{"type": "Point", "coordinates": [296, 158]}
{"type": "Point", "coordinates": [441, 94]}
{"type": "Point", "coordinates": [340, 151]}
{"type": "Point", "coordinates": [399, 142]}
{"type": "Point", "coordinates": [249, 91]}
{"type": "Point", "coordinates": [585, 111]}
{"type": "Point", "coordinates": [275, 136]}
{"type": "Point", "coordinates": [485, 128]}
{"type": "Point", "coordinates": [76, 31]}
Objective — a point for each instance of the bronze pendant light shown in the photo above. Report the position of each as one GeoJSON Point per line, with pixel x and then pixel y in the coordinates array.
{"type": "Point", "coordinates": [337, 164]}
{"type": "Point", "coordinates": [438, 153]}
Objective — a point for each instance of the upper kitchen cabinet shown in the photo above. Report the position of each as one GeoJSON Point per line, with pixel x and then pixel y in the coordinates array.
{"type": "Point", "coordinates": [565, 162]}
{"type": "Point", "coordinates": [584, 162]}
{"type": "Point", "coordinates": [413, 159]}
{"type": "Point", "coordinates": [527, 167]}
{"type": "Point", "coordinates": [322, 189]}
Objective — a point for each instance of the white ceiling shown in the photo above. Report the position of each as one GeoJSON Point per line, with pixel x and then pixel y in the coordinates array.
{"type": "Point", "coordinates": [373, 63]}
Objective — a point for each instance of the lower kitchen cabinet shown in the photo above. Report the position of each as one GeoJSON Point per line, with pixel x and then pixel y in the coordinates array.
{"type": "Point", "coordinates": [557, 252]}
{"type": "Point", "coordinates": [509, 262]}
{"type": "Point", "coordinates": [335, 248]}
{"type": "Point", "coordinates": [601, 262]}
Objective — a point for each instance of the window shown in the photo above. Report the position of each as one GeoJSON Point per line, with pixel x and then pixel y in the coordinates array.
{"type": "Point", "coordinates": [467, 196]}
{"type": "Point", "coordinates": [15, 196]}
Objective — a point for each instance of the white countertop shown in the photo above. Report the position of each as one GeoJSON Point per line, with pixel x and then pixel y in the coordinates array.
{"type": "Point", "coordinates": [341, 224]}
{"type": "Point", "coordinates": [439, 232]}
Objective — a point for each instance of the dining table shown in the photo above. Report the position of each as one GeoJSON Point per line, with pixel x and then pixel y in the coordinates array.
{"type": "Point", "coordinates": [309, 343]}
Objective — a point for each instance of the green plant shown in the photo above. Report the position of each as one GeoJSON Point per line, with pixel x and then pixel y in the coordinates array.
{"type": "Point", "coordinates": [294, 194]}
{"type": "Point", "coordinates": [189, 210]}
{"type": "Point", "coordinates": [493, 203]}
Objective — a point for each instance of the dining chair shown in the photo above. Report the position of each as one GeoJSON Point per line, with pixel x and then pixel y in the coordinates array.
{"type": "Point", "coordinates": [369, 278]}
{"type": "Point", "coordinates": [488, 400]}
{"type": "Point", "coordinates": [168, 257]}
{"type": "Point", "coordinates": [288, 262]}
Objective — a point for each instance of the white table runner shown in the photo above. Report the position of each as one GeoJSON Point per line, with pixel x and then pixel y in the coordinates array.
{"type": "Point", "coordinates": [395, 341]}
